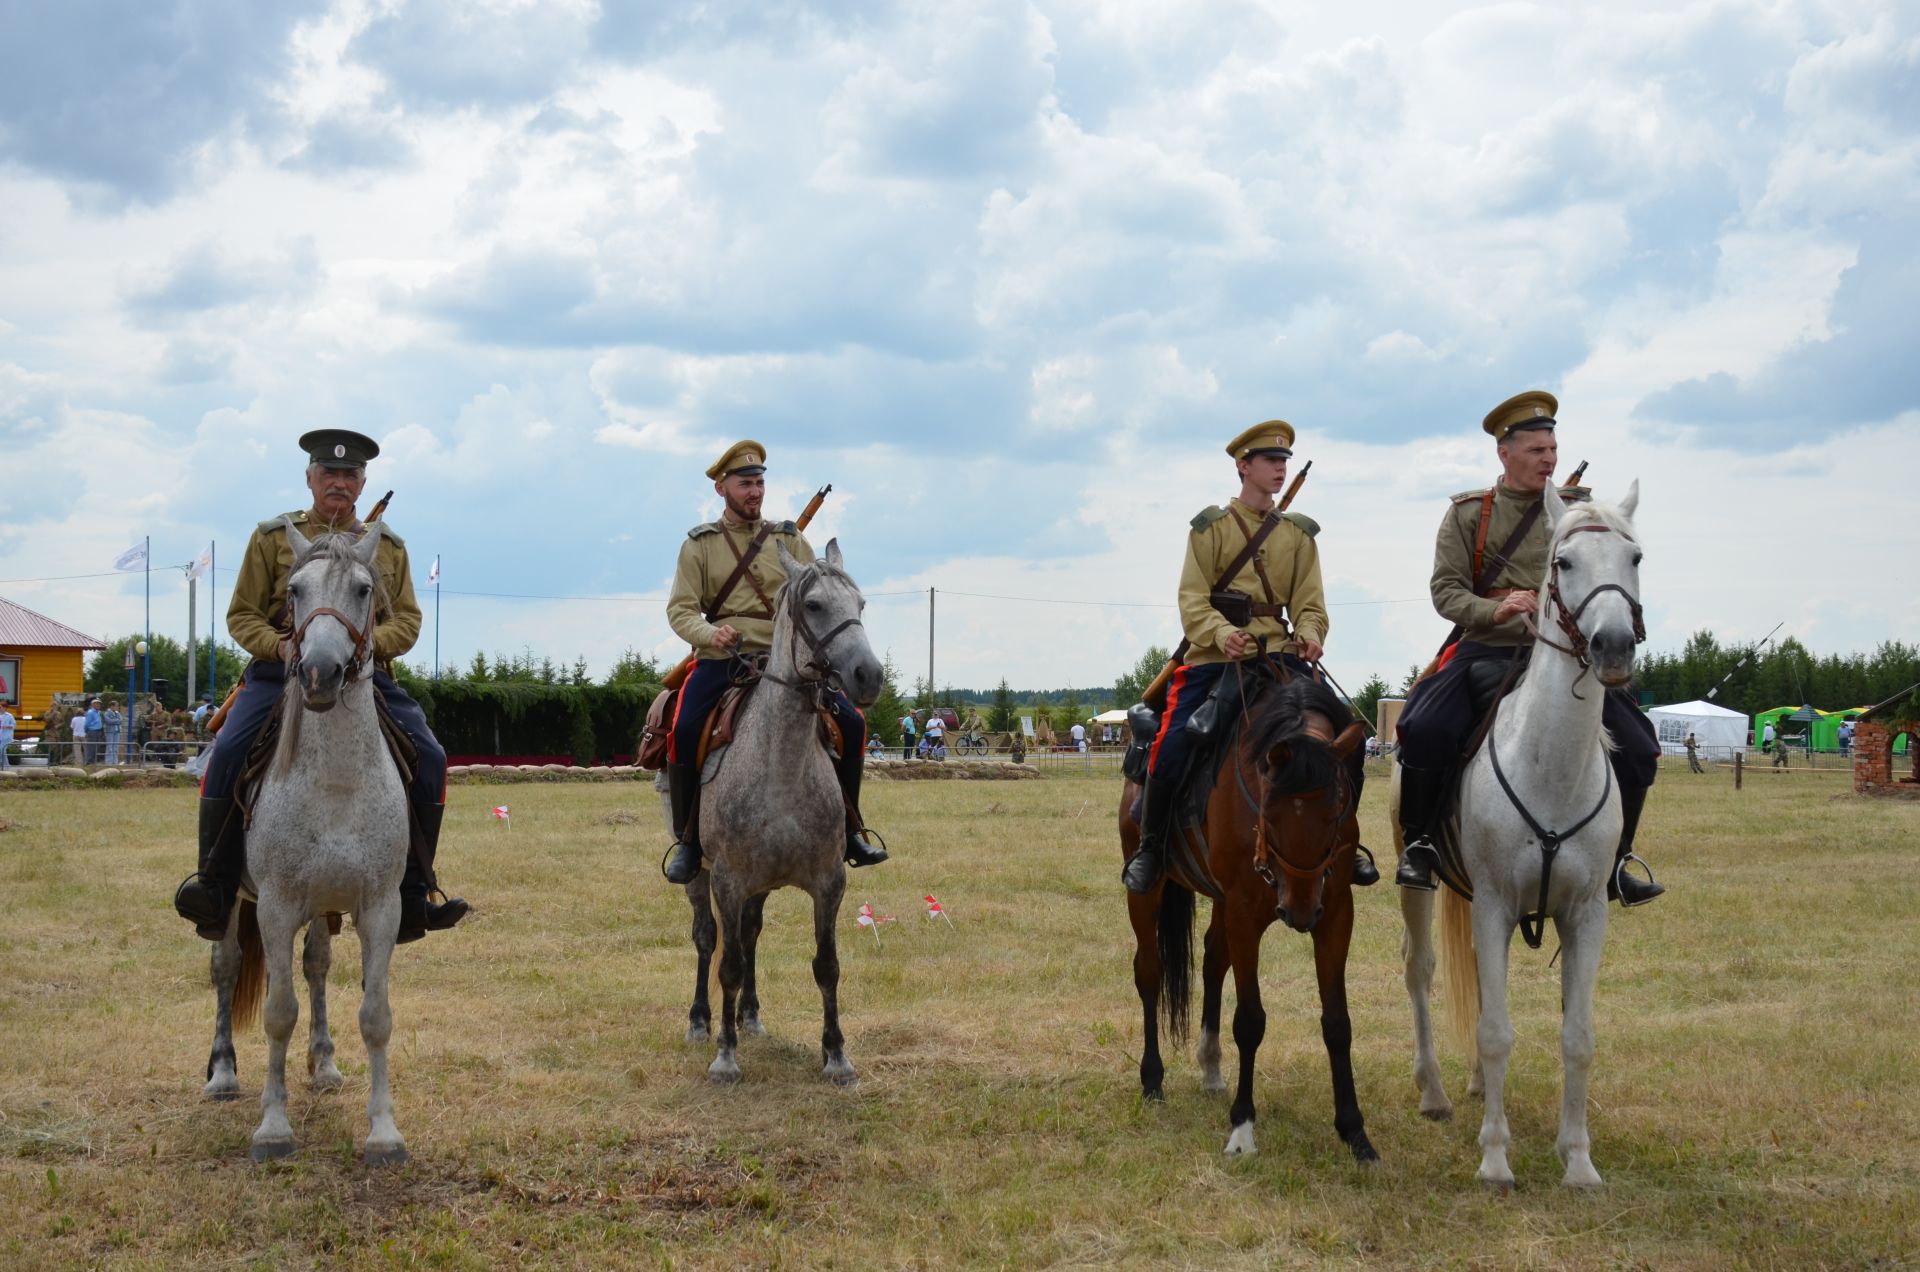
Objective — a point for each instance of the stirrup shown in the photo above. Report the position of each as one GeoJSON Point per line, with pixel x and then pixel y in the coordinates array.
{"type": "Point", "coordinates": [1620, 873]}
{"type": "Point", "coordinates": [1130, 879]}
{"type": "Point", "coordinates": [860, 852]}
{"type": "Point", "coordinates": [667, 857]}
{"type": "Point", "coordinates": [210, 926]}
{"type": "Point", "coordinates": [1412, 876]}
{"type": "Point", "coordinates": [1366, 872]}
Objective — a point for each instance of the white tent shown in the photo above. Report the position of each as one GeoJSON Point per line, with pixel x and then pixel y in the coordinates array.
{"type": "Point", "coordinates": [1714, 727]}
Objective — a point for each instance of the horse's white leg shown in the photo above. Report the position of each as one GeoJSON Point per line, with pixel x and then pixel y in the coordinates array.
{"type": "Point", "coordinates": [1492, 933]}
{"type": "Point", "coordinates": [316, 957]}
{"type": "Point", "coordinates": [378, 922]}
{"type": "Point", "coordinates": [1582, 936]}
{"type": "Point", "coordinates": [274, 1136]}
{"type": "Point", "coordinates": [223, 1077]}
{"type": "Point", "coordinates": [826, 974]}
{"type": "Point", "coordinates": [1416, 911]}
{"type": "Point", "coordinates": [727, 904]}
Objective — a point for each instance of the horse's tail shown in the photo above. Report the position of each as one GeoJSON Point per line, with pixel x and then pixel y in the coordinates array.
{"type": "Point", "coordinates": [251, 987]}
{"type": "Point", "coordinates": [1460, 970]}
{"type": "Point", "coordinates": [1176, 958]}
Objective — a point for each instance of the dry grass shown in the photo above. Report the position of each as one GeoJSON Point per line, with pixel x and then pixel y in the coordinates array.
{"type": "Point", "coordinates": [1754, 1096]}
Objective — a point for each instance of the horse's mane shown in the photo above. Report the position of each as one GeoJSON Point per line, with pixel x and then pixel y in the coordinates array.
{"type": "Point", "coordinates": [1280, 718]}
{"type": "Point", "coordinates": [332, 550]}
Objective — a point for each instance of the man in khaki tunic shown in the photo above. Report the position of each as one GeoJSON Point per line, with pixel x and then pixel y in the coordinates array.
{"type": "Point", "coordinates": [1280, 581]}
{"type": "Point", "coordinates": [257, 618]}
{"type": "Point", "coordinates": [1443, 709]}
{"type": "Point", "coordinates": [724, 623]}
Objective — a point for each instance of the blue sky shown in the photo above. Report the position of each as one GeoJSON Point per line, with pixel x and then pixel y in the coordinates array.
{"type": "Point", "coordinates": [1008, 275]}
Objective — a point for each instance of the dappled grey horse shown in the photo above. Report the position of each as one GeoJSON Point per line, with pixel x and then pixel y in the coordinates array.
{"type": "Point", "coordinates": [771, 815]}
{"type": "Point", "coordinates": [1537, 825]}
{"type": "Point", "coordinates": [329, 835]}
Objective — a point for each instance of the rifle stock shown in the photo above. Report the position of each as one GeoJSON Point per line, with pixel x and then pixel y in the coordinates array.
{"type": "Point", "coordinates": [684, 668]}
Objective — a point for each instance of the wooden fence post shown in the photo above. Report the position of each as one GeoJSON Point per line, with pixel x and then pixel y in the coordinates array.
{"type": "Point", "coordinates": [1738, 757]}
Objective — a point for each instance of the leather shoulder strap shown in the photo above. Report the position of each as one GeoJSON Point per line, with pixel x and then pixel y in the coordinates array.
{"type": "Point", "coordinates": [739, 569]}
{"type": "Point", "coordinates": [1268, 525]}
{"type": "Point", "coordinates": [1483, 576]}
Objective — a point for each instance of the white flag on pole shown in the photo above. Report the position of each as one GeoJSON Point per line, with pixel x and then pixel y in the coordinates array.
{"type": "Point", "coordinates": [133, 558]}
{"type": "Point", "coordinates": [200, 567]}
{"type": "Point", "coordinates": [433, 575]}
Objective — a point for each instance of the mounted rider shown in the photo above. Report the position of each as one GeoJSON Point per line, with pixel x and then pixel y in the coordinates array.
{"type": "Point", "coordinates": [257, 617]}
{"type": "Point", "coordinates": [722, 603]}
{"type": "Point", "coordinates": [1273, 558]}
{"type": "Point", "coordinates": [1489, 561]}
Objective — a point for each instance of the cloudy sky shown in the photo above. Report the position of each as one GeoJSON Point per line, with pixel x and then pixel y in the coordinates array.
{"type": "Point", "coordinates": [1008, 275]}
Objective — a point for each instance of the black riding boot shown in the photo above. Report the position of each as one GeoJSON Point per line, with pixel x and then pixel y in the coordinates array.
{"type": "Point", "coordinates": [206, 898]}
{"type": "Point", "coordinates": [1161, 796]}
{"type": "Point", "coordinates": [683, 788]}
{"type": "Point", "coordinates": [850, 768]}
{"type": "Point", "coordinates": [418, 916]}
{"type": "Point", "coordinates": [1420, 793]}
{"type": "Point", "coordinates": [1621, 886]}
{"type": "Point", "coordinates": [1365, 873]}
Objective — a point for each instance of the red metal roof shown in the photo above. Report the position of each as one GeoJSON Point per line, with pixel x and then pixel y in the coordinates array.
{"type": "Point", "coordinates": [21, 626]}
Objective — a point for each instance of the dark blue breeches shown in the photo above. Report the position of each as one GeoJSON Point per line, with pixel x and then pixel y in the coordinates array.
{"type": "Point", "coordinates": [261, 688]}
{"type": "Point", "coordinates": [701, 691]}
{"type": "Point", "coordinates": [1444, 709]}
{"type": "Point", "coordinates": [1191, 686]}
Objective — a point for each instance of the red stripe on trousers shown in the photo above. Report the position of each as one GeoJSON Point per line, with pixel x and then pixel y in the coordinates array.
{"type": "Point", "coordinates": [1173, 700]}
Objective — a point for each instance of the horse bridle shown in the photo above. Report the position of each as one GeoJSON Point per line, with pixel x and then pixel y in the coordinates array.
{"type": "Point", "coordinates": [1264, 855]}
{"type": "Point", "coordinates": [1568, 619]}
{"type": "Point", "coordinates": [362, 641]}
{"type": "Point", "coordinates": [816, 646]}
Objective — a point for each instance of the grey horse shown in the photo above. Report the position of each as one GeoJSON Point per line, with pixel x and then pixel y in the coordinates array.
{"type": "Point", "coordinates": [329, 836]}
{"type": "Point", "coordinates": [771, 815]}
{"type": "Point", "coordinates": [706, 939]}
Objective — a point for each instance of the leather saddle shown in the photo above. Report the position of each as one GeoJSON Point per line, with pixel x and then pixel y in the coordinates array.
{"type": "Point", "coordinates": [717, 733]}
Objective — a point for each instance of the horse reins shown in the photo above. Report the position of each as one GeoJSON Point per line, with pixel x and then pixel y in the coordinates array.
{"type": "Point", "coordinates": [1568, 620]}
{"type": "Point", "coordinates": [362, 641]}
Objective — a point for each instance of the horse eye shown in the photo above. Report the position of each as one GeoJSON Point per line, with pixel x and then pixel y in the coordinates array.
{"type": "Point", "coordinates": [1561, 563]}
{"type": "Point", "coordinates": [365, 589]}
{"type": "Point", "coordinates": [814, 606]}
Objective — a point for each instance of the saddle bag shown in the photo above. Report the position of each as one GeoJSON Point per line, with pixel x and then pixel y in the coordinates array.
{"type": "Point", "coordinates": [1205, 722]}
{"type": "Point", "coordinates": [658, 730]}
{"type": "Point", "coordinates": [1235, 607]}
{"type": "Point", "coordinates": [1145, 726]}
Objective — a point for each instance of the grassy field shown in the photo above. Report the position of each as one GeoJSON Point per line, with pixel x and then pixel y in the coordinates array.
{"type": "Point", "coordinates": [1755, 1102]}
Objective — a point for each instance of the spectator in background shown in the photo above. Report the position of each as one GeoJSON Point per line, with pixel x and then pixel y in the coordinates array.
{"type": "Point", "coordinates": [1693, 753]}
{"type": "Point", "coordinates": [113, 721]}
{"type": "Point", "coordinates": [1017, 744]}
{"type": "Point", "coordinates": [6, 735]}
{"type": "Point", "coordinates": [1079, 732]}
{"type": "Point", "coordinates": [1780, 750]}
{"type": "Point", "coordinates": [1766, 738]}
{"type": "Point", "coordinates": [1846, 738]}
{"type": "Point", "coordinates": [96, 731]}
{"type": "Point", "coordinates": [201, 712]}
{"type": "Point", "coordinates": [907, 730]}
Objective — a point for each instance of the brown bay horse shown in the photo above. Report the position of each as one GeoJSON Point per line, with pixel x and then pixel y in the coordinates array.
{"type": "Point", "coordinates": [1279, 837]}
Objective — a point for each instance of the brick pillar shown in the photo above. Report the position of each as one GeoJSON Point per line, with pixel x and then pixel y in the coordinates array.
{"type": "Point", "coordinates": [1872, 757]}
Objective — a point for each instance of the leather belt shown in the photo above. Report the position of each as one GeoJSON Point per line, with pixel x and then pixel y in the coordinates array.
{"type": "Point", "coordinates": [1260, 610]}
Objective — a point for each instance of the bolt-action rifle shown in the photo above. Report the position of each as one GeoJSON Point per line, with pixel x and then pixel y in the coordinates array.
{"type": "Point", "coordinates": [676, 677]}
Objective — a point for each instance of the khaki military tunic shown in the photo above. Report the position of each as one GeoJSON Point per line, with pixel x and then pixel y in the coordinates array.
{"type": "Point", "coordinates": [257, 613]}
{"type": "Point", "coordinates": [1526, 569]}
{"type": "Point", "coordinates": [1284, 572]}
{"type": "Point", "coordinates": [707, 559]}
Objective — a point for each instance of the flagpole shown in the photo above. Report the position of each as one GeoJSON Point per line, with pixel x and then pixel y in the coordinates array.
{"type": "Point", "coordinates": [146, 565]}
{"type": "Point", "coordinates": [436, 618]}
{"type": "Point", "coordinates": [213, 614]}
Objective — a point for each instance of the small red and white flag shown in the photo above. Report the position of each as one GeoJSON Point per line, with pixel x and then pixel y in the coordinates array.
{"type": "Point", "coordinates": [934, 910]}
{"type": "Point", "coordinates": [871, 921]}
{"type": "Point", "coordinates": [500, 815]}
{"type": "Point", "coordinates": [433, 575]}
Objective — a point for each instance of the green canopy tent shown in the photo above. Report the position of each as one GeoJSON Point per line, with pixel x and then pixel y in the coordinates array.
{"type": "Point", "coordinates": [1777, 717]}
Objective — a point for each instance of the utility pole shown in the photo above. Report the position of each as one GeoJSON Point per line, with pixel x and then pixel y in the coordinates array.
{"type": "Point", "coordinates": [930, 695]}
{"type": "Point", "coordinates": [193, 613]}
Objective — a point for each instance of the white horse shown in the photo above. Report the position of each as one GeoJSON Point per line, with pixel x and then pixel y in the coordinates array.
{"type": "Point", "coordinates": [772, 816]}
{"type": "Point", "coordinates": [329, 835]}
{"type": "Point", "coordinates": [1537, 824]}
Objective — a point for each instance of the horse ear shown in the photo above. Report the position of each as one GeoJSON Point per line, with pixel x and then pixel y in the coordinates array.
{"type": "Point", "coordinates": [833, 553]}
{"type": "Point", "coordinates": [787, 563]}
{"type": "Point", "coordinates": [298, 542]}
{"type": "Point", "coordinates": [369, 544]}
{"type": "Point", "coordinates": [1556, 506]}
{"type": "Point", "coordinates": [1350, 737]}
{"type": "Point", "coordinates": [1632, 501]}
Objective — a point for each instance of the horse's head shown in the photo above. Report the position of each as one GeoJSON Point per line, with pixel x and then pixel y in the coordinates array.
{"type": "Point", "coordinates": [820, 614]}
{"type": "Point", "coordinates": [1593, 583]}
{"type": "Point", "coordinates": [1307, 810]}
{"type": "Point", "coordinates": [330, 603]}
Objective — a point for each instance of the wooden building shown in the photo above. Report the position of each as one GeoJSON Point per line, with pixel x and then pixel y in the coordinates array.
{"type": "Point", "coordinates": [38, 658]}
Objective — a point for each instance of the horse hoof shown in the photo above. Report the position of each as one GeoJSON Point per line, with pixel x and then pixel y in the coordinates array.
{"type": "Point", "coordinates": [327, 1082]}
{"type": "Point", "coordinates": [751, 1027]}
{"type": "Point", "coordinates": [385, 1155]}
{"type": "Point", "coordinates": [698, 1033]}
{"type": "Point", "coordinates": [1155, 1096]}
{"type": "Point", "coordinates": [222, 1091]}
{"type": "Point", "coordinates": [1214, 1086]}
{"type": "Point", "coordinates": [723, 1071]}
{"type": "Point", "coordinates": [1240, 1143]}
{"type": "Point", "coordinates": [270, 1150]}
{"type": "Point", "coordinates": [1499, 1187]}
{"type": "Point", "coordinates": [1437, 1115]}
{"type": "Point", "coordinates": [842, 1077]}
{"type": "Point", "coordinates": [1363, 1150]}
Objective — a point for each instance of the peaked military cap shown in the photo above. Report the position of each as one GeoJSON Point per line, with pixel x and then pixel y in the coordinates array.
{"type": "Point", "coordinates": [1274, 437]}
{"type": "Point", "coordinates": [744, 458]}
{"type": "Point", "coordinates": [338, 447]}
{"type": "Point", "coordinates": [1533, 409]}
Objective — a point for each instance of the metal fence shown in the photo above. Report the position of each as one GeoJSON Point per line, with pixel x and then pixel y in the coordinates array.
{"type": "Point", "coordinates": [43, 752]}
